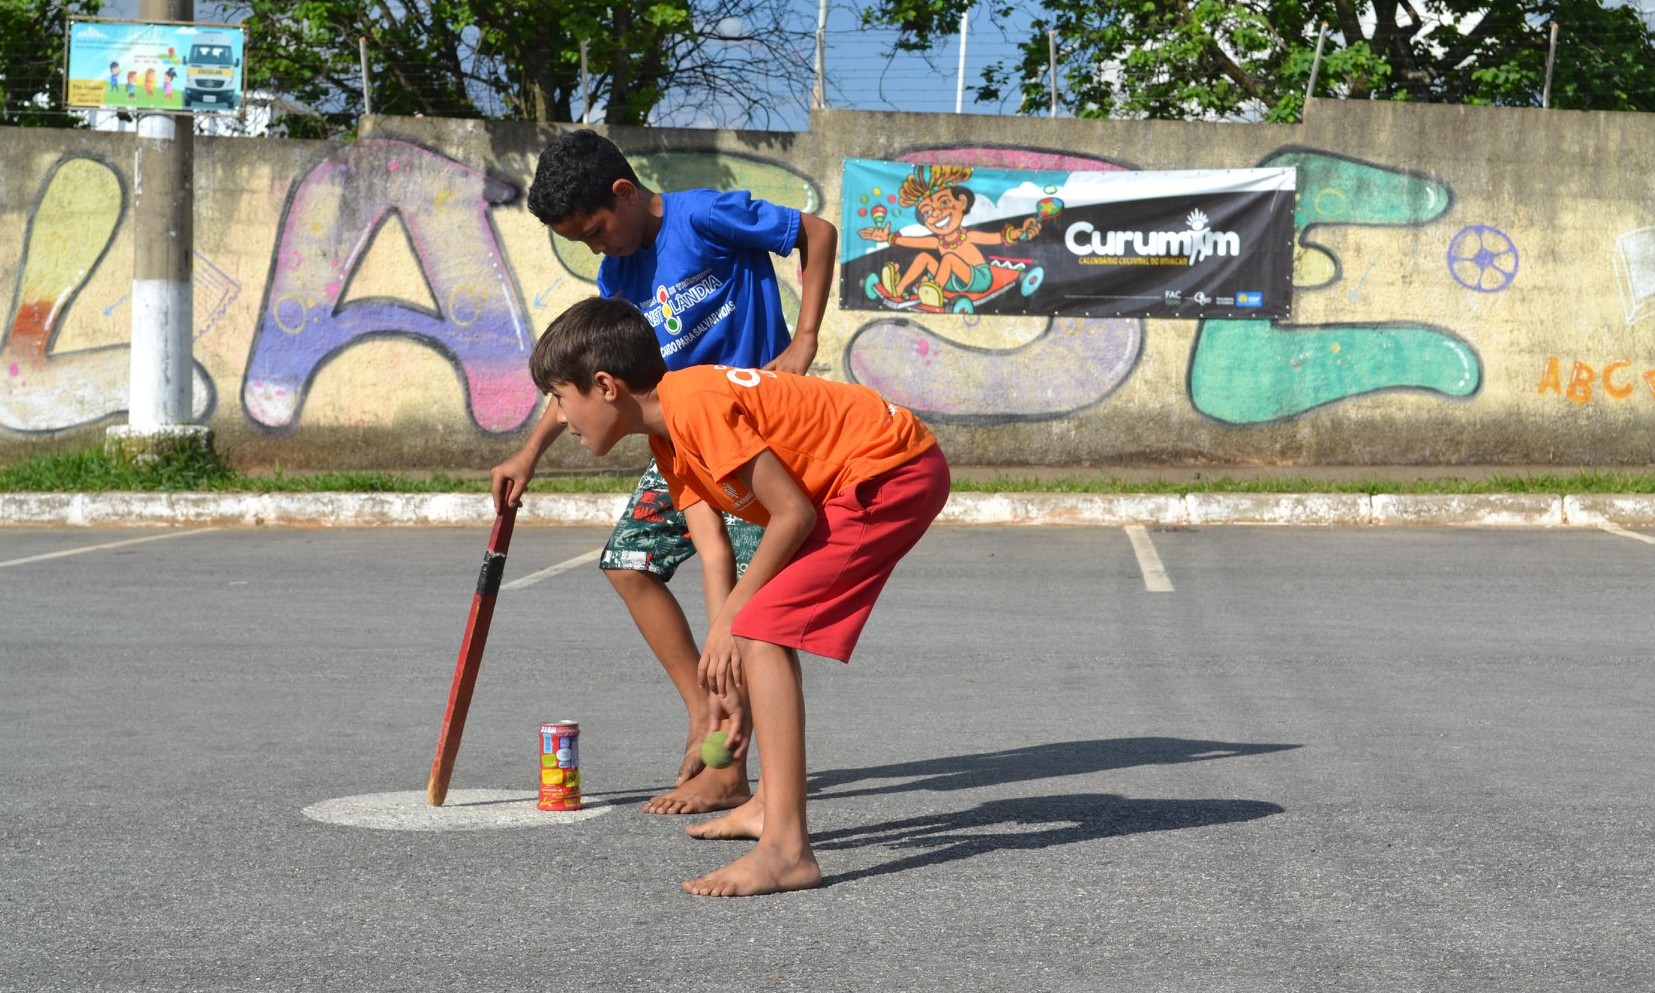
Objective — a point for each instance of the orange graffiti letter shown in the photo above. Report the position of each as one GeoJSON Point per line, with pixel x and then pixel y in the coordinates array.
{"type": "Point", "coordinates": [1551, 381]}
{"type": "Point", "coordinates": [1617, 392]}
{"type": "Point", "coordinates": [1580, 382]}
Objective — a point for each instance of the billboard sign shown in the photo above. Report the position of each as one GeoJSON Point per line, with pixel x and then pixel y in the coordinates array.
{"type": "Point", "coordinates": [162, 67]}
{"type": "Point", "coordinates": [1194, 244]}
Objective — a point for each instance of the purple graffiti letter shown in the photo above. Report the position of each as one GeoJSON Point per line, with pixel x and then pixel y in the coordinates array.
{"type": "Point", "coordinates": [331, 219]}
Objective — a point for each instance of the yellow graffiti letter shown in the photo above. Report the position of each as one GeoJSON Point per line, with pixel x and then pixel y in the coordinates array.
{"type": "Point", "coordinates": [1551, 381]}
{"type": "Point", "coordinates": [1617, 392]}
{"type": "Point", "coordinates": [1580, 382]}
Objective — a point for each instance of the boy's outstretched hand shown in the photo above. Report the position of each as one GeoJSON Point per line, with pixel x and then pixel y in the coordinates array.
{"type": "Point", "coordinates": [509, 479]}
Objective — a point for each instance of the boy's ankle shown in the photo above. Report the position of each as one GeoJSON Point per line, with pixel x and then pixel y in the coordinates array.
{"type": "Point", "coordinates": [794, 848]}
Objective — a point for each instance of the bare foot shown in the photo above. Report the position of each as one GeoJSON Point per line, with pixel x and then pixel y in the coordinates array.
{"type": "Point", "coordinates": [765, 869]}
{"type": "Point", "coordinates": [707, 791]}
{"type": "Point", "coordinates": [746, 821]}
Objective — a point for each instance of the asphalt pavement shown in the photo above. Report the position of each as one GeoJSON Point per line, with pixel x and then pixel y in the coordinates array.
{"type": "Point", "coordinates": [1152, 757]}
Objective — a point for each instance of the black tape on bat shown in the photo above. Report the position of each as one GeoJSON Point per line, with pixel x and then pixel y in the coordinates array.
{"type": "Point", "coordinates": [494, 566]}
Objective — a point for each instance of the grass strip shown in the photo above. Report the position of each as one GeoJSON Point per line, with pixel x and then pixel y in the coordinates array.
{"type": "Point", "coordinates": [90, 470]}
{"type": "Point", "coordinates": [1557, 484]}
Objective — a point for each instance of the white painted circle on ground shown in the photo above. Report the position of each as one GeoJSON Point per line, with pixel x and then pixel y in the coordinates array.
{"type": "Point", "coordinates": [462, 810]}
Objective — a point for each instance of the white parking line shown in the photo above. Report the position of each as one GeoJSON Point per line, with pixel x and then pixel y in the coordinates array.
{"type": "Point", "coordinates": [1155, 575]}
{"type": "Point", "coordinates": [1624, 533]}
{"type": "Point", "coordinates": [98, 548]}
{"type": "Point", "coordinates": [550, 571]}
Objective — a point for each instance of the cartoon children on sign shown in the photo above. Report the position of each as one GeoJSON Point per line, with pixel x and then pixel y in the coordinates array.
{"type": "Point", "coordinates": [951, 271]}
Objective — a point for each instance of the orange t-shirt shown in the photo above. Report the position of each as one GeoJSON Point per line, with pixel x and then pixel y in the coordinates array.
{"type": "Point", "coordinates": [830, 436]}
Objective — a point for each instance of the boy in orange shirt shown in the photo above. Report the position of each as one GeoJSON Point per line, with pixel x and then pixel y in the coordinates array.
{"type": "Point", "coordinates": [844, 485]}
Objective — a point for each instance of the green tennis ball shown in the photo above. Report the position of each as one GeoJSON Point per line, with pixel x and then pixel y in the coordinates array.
{"type": "Point", "coordinates": [714, 752]}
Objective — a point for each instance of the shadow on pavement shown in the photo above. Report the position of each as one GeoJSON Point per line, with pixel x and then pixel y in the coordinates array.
{"type": "Point", "coordinates": [1014, 765]}
{"type": "Point", "coordinates": [1028, 823]}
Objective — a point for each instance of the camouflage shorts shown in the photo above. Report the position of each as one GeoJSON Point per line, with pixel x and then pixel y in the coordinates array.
{"type": "Point", "coordinates": [651, 535]}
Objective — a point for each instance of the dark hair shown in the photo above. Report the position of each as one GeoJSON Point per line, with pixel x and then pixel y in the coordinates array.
{"type": "Point", "coordinates": [598, 335]}
{"type": "Point", "coordinates": [964, 193]}
{"type": "Point", "coordinates": [576, 176]}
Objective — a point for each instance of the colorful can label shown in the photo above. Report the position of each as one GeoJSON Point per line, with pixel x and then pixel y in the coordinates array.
{"type": "Point", "coordinates": [560, 766]}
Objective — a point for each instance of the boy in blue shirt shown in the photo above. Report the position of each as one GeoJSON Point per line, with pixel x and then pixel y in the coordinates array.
{"type": "Point", "coordinates": [697, 264]}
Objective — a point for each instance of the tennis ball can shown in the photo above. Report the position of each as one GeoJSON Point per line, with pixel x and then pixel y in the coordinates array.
{"type": "Point", "coordinates": [560, 766]}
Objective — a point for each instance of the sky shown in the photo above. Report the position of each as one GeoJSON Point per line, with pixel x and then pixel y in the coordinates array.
{"type": "Point", "coordinates": [866, 76]}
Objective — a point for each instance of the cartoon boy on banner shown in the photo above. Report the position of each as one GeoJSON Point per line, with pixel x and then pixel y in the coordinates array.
{"type": "Point", "coordinates": [950, 265]}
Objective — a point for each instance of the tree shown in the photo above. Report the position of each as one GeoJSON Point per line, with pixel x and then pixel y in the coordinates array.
{"type": "Point", "coordinates": [33, 38]}
{"type": "Point", "coordinates": [1214, 59]}
{"type": "Point", "coordinates": [521, 59]}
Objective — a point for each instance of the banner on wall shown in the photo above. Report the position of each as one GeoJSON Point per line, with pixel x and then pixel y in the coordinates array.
{"type": "Point", "coordinates": [163, 67]}
{"type": "Point", "coordinates": [963, 240]}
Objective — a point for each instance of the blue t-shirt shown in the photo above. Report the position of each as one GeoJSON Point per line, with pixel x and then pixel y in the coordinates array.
{"type": "Point", "coordinates": [706, 284]}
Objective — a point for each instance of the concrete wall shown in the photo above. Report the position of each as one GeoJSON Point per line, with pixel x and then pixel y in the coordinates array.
{"type": "Point", "coordinates": [1473, 285]}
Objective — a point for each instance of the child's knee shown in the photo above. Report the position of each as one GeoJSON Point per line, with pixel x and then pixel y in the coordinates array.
{"type": "Point", "coordinates": [629, 582]}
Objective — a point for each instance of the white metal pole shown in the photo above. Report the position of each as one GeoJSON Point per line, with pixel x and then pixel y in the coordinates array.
{"type": "Point", "coordinates": [818, 96]}
{"type": "Point", "coordinates": [1315, 64]}
{"type": "Point", "coordinates": [959, 88]}
{"type": "Point", "coordinates": [1051, 46]}
{"type": "Point", "coordinates": [367, 84]}
{"type": "Point", "coordinates": [1551, 56]}
{"type": "Point", "coordinates": [585, 87]}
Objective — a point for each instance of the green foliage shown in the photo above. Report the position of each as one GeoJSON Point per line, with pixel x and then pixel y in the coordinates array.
{"type": "Point", "coordinates": [437, 482]}
{"type": "Point", "coordinates": [514, 59]}
{"type": "Point", "coordinates": [90, 470]}
{"type": "Point", "coordinates": [192, 468]}
{"type": "Point", "coordinates": [1192, 59]}
{"type": "Point", "coordinates": [33, 53]}
{"type": "Point", "coordinates": [1556, 484]}
{"type": "Point", "coordinates": [189, 467]}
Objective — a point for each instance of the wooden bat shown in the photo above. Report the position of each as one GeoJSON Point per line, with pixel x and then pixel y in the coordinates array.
{"type": "Point", "coordinates": [471, 655]}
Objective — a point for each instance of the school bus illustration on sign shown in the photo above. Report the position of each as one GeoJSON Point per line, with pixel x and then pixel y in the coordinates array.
{"type": "Point", "coordinates": [210, 72]}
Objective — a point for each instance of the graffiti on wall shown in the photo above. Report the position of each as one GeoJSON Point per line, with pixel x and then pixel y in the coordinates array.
{"type": "Point", "coordinates": [469, 310]}
{"type": "Point", "coordinates": [1242, 372]}
{"type": "Point", "coordinates": [1483, 258]}
{"type": "Point", "coordinates": [70, 227]}
{"type": "Point", "coordinates": [1616, 379]}
{"type": "Point", "coordinates": [461, 297]}
{"type": "Point", "coordinates": [1634, 261]}
{"type": "Point", "coordinates": [1245, 372]}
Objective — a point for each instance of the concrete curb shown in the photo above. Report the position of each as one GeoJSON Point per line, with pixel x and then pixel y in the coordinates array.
{"type": "Point", "coordinates": [601, 509]}
{"type": "Point", "coordinates": [299, 509]}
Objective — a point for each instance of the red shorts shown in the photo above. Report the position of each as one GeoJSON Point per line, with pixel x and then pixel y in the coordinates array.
{"type": "Point", "coordinates": [820, 601]}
